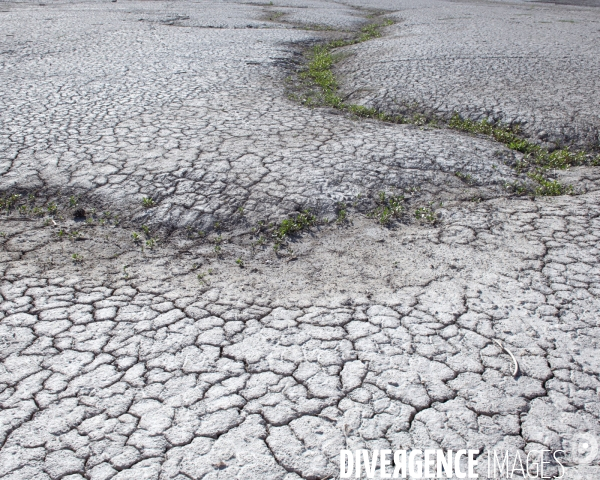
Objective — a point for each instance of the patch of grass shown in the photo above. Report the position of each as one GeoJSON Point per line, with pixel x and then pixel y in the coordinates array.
{"type": "Point", "coordinates": [9, 202]}
{"type": "Point", "coordinates": [150, 243]}
{"type": "Point", "coordinates": [425, 214]}
{"type": "Point", "coordinates": [319, 72]}
{"type": "Point", "coordinates": [342, 214]}
{"type": "Point", "coordinates": [548, 187]}
{"type": "Point", "coordinates": [536, 160]}
{"type": "Point", "coordinates": [291, 226]}
{"type": "Point", "coordinates": [388, 207]}
{"type": "Point", "coordinates": [77, 258]}
{"type": "Point", "coordinates": [148, 202]}
{"type": "Point", "coordinates": [52, 208]}
{"type": "Point", "coordinates": [239, 262]}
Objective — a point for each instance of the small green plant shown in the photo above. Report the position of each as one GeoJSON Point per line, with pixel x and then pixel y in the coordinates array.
{"type": "Point", "coordinates": [549, 187]}
{"type": "Point", "coordinates": [150, 243]}
{"type": "Point", "coordinates": [425, 214]}
{"type": "Point", "coordinates": [146, 230]}
{"type": "Point", "coordinates": [23, 209]}
{"type": "Point", "coordinates": [125, 272]}
{"type": "Point", "coordinates": [148, 202]}
{"type": "Point", "coordinates": [239, 262]}
{"type": "Point", "coordinates": [388, 207]}
{"type": "Point", "coordinates": [10, 201]}
{"type": "Point", "coordinates": [218, 249]}
{"type": "Point", "coordinates": [89, 220]}
{"type": "Point", "coordinates": [3, 234]}
{"type": "Point", "coordinates": [61, 233]}
{"type": "Point", "coordinates": [341, 215]}
{"type": "Point", "coordinates": [135, 236]}
{"type": "Point", "coordinates": [77, 258]}
{"type": "Point", "coordinates": [52, 208]}
{"type": "Point", "coordinates": [261, 241]}
{"type": "Point", "coordinates": [217, 226]}
{"type": "Point", "coordinates": [74, 235]}
{"type": "Point", "coordinates": [295, 225]}
{"type": "Point", "coordinates": [72, 201]}
{"type": "Point", "coordinates": [240, 210]}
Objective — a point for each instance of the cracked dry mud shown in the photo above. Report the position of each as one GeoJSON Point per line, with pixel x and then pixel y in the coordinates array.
{"type": "Point", "coordinates": [175, 362]}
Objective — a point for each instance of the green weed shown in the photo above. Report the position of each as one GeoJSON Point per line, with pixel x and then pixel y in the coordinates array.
{"type": "Point", "coordinates": [425, 214]}
{"type": "Point", "coordinates": [342, 215]}
{"type": "Point", "coordinates": [548, 187]}
{"type": "Point", "coordinates": [388, 207]}
{"type": "Point", "coordinates": [52, 208]}
{"type": "Point", "coordinates": [148, 202]}
{"type": "Point", "coordinates": [294, 225]}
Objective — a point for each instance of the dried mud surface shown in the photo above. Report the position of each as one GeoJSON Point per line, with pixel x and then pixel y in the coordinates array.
{"type": "Point", "coordinates": [215, 356]}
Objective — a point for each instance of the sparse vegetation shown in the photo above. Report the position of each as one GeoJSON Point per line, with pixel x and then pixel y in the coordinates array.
{"type": "Point", "coordinates": [148, 202]}
{"type": "Point", "coordinates": [320, 75]}
{"type": "Point", "coordinates": [291, 226]}
{"type": "Point", "coordinates": [389, 206]}
{"type": "Point", "coordinates": [77, 258]}
{"type": "Point", "coordinates": [342, 214]}
{"type": "Point", "coordinates": [324, 88]}
{"type": "Point", "coordinates": [548, 187]}
{"type": "Point", "coordinates": [425, 214]}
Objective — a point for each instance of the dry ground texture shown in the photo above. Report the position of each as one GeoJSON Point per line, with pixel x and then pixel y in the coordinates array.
{"type": "Point", "coordinates": [237, 237]}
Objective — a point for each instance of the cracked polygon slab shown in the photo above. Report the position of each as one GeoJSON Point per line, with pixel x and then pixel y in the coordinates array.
{"type": "Point", "coordinates": [531, 64]}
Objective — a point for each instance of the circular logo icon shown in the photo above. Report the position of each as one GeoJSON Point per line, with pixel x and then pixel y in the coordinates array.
{"type": "Point", "coordinates": [584, 448]}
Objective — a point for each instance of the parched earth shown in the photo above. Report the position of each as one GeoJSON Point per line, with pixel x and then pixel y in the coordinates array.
{"type": "Point", "coordinates": [180, 339]}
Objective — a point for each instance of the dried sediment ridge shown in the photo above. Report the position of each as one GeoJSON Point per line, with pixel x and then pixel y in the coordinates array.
{"type": "Point", "coordinates": [133, 360]}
